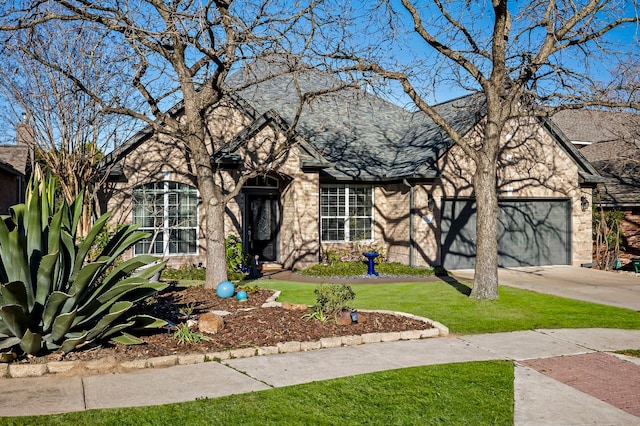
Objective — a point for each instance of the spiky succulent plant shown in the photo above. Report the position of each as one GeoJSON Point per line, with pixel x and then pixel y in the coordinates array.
{"type": "Point", "coordinates": [52, 297]}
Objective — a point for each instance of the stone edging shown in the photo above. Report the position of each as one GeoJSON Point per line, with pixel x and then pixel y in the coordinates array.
{"type": "Point", "coordinates": [109, 364]}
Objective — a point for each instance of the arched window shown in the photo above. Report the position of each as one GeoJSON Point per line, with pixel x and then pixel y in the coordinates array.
{"type": "Point", "coordinates": [169, 212]}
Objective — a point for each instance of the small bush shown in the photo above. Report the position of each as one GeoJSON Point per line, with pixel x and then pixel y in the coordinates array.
{"type": "Point", "coordinates": [330, 301]}
{"type": "Point", "coordinates": [352, 253]}
{"type": "Point", "coordinates": [235, 255]}
{"type": "Point", "coordinates": [354, 269]}
{"type": "Point", "coordinates": [333, 298]}
{"type": "Point", "coordinates": [186, 271]}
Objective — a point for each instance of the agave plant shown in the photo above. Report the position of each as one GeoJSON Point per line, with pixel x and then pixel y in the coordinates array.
{"type": "Point", "coordinates": [52, 297]}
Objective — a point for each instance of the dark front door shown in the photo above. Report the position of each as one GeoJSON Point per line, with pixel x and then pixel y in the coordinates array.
{"type": "Point", "coordinates": [262, 225]}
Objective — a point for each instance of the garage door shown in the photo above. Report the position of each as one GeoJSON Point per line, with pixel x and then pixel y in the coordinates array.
{"type": "Point", "coordinates": [530, 233]}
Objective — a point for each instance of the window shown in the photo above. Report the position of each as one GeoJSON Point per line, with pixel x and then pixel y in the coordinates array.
{"type": "Point", "coordinates": [169, 212]}
{"type": "Point", "coordinates": [346, 213]}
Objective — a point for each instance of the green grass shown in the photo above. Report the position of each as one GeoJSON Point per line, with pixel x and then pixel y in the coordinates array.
{"type": "Point", "coordinates": [466, 393]}
{"type": "Point", "coordinates": [475, 393]}
{"type": "Point", "coordinates": [630, 352]}
{"type": "Point", "coordinates": [351, 269]}
{"type": "Point", "coordinates": [514, 310]}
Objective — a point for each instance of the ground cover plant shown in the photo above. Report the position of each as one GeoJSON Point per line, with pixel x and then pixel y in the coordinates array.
{"type": "Point", "coordinates": [475, 393]}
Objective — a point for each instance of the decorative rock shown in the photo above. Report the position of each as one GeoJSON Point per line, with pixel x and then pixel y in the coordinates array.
{"type": "Point", "coordinates": [221, 313]}
{"type": "Point", "coordinates": [294, 306]}
{"type": "Point", "coordinates": [344, 318]}
{"type": "Point", "coordinates": [210, 323]}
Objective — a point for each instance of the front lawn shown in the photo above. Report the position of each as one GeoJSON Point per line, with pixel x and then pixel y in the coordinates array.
{"type": "Point", "coordinates": [449, 304]}
{"type": "Point", "coordinates": [475, 393]}
{"type": "Point", "coordinates": [465, 393]}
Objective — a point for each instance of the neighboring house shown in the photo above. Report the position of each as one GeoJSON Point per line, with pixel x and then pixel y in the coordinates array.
{"type": "Point", "coordinates": [364, 173]}
{"type": "Point", "coordinates": [611, 142]}
{"type": "Point", "coordinates": [15, 164]}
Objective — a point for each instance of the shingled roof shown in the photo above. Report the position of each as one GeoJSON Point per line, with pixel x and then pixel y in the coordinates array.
{"type": "Point", "coordinates": [594, 126]}
{"type": "Point", "coordinates": [619, 163]}
{"type": "Point", "coordinates": [613, 147]}
{"type": "Point", "coordinates": [349, 134]}
{"type": "Point", "coordinates": [365, 137]}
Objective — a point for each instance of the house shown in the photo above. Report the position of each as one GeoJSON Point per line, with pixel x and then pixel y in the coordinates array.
{"type": "Point", "coordinates": [15, 166]}
{"type": "Point", "coordinates": [364, 173]}
{"type": "Point", "coordinates": [611, 142]}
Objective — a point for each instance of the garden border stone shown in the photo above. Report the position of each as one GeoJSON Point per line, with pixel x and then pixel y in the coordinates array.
{"type": "Point", "coordinates": [110, 364]}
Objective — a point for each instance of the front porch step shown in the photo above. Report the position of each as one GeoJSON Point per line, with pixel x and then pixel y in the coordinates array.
{"type": "Point", "coordinates": [271, 267]}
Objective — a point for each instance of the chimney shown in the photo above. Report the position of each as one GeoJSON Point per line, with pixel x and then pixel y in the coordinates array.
{"type": "Point", "coordinates": [24, 133]}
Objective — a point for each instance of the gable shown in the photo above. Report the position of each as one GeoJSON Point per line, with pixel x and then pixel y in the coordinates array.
{"type": "Point", "coordinates": [533, 162]}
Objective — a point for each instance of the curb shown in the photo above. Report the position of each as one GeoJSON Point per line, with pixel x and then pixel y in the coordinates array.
{"type": "Point", "coordinates": [110, 364]}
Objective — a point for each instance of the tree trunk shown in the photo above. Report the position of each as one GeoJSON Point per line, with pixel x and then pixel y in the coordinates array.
{"type": "Point", "coordinates": [216, 260]}
{"type": "Point", "coordinates": [485, 281]}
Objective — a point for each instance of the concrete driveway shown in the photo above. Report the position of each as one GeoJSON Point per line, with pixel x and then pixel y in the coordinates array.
{"type": "Point", "coordinates": [610, 288]}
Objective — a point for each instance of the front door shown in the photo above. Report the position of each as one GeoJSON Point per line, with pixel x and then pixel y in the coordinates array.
{"type": "Point", "coordinates": [262, 225]}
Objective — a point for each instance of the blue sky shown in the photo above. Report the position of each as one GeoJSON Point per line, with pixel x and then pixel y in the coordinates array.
{"type": "Point", "coordinates": [410, 49]}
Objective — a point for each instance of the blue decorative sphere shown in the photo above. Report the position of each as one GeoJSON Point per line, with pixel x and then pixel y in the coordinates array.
{"type": "Point", "coordinates": [241, 296]}
{"type": "Point", "coordinates": [225, 289]}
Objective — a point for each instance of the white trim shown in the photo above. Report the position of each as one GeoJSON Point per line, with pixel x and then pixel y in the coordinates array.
{"type": "Point", "coordinates": [346, 216]}
{"type": "Point", "coordinates": [166, 229]}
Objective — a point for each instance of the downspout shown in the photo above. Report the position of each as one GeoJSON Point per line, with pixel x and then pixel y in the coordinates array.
{"type": "Point", "coordinates": [411, 224]}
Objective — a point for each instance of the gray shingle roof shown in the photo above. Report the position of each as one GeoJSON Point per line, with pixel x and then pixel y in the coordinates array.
{"type": "Point", "coordinates": [363, 135]}
{"type": "Point", "coordinates": [350, 134]}
{"type": "Point", "coordinates": [614, 150]}
{"type": "Point", "coordinates": [619, 164]}
{"type": "Point", "coordinates": [594, 126]}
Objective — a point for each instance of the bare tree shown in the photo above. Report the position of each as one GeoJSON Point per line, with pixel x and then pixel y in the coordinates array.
{"type": "Point", "coordinates": [527, 58]}
{"type": "Point", "coordinates": [182, 51]}
{"type": "Point", "coordinates": [70, 134]}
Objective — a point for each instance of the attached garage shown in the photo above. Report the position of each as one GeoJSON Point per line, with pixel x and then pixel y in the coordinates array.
{"type": "Point", "coordinates": [531, 232]}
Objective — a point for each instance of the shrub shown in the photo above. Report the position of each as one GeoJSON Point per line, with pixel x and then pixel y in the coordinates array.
{"type": "Point", "coordinates": [235, 256]}
{"type": "Point", "coordinates": [186, 271]}
{"type": "Point", "coordinates": [330, 301]}
{"type": "Point", "coordinates": [53, 297]}
{"type": "Point", "coordinates": [354, 269]}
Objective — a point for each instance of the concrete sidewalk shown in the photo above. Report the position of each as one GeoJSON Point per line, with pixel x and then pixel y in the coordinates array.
{"type": "Point", "coordinates": [539, 400]}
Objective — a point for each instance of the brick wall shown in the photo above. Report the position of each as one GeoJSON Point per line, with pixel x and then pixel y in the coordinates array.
{"type": "Point", "coordinates": [631, 229]}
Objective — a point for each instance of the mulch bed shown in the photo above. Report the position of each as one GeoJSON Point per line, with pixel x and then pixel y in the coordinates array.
{"type": "Point", "coordinates": [246, 325]}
